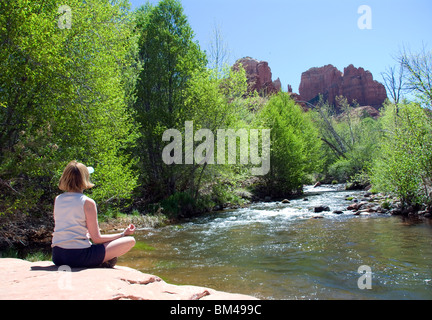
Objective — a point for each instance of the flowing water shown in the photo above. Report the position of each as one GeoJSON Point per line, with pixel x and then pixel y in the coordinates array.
{"type": "Point", "coordinates": [282, 251]}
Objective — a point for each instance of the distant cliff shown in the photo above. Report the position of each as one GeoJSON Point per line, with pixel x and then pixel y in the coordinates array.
{"type": "Point", "coordinates": [354, 84]}
{"type": "Point", "coordinates": [259, 76]}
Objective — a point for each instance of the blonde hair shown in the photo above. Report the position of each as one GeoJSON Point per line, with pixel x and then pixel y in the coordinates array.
{"type": "Point", "coordinates": [75, 177]}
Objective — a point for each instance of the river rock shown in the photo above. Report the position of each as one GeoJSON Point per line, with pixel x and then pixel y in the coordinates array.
{"type": "Point", "coordinates": [356, 206]}
{"type": "Point", "coordinates": [364, 212]}
{"type": "Point", "coordinates": [285, 201]}
{"type": "Point", "coordinates": [42, 280]}
{"type": "Point", "coordinates": [380, 209]}
{"type": "Point", "coordinates": [321, 208]}
{"type": "Point", "coordinates": [395, 212]}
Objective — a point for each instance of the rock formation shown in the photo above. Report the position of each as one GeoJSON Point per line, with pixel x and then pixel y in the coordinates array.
{"type": "Point", "coordinates": [259, 76]}
{"type": "Point", "coordinates": [24, 280]}
{"type": "Point", "coordinates": [354, 84]}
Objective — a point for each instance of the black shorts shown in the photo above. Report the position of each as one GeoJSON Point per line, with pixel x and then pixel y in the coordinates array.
{"type": "Point", "coordinates": [79, 258]}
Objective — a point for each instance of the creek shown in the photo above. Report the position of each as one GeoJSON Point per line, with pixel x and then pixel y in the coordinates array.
{"type": "Point", "coordinates": [278, 251]}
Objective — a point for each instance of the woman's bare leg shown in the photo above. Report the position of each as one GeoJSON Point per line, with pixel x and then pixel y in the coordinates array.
{"type": "Point", "coordinates": [118, 247]}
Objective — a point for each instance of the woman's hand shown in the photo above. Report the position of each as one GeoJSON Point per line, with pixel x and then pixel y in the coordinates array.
{"type": "Point", "coordinates": [129, 230]}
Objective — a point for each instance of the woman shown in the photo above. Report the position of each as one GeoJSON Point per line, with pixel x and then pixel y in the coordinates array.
{"type": "Point", "coordinates": [75, 217]}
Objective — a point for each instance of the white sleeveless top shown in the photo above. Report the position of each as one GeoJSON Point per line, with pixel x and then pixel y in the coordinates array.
{"type": "Point", "coordinates": [70, 231]}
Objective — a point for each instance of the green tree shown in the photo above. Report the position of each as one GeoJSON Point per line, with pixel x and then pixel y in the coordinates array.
{"type": "Point", "coordinates": [174, 87]}
{"type": "Point", "coordinates": [350, 140]}
{"type": "Point", "coordinates": [404, 164]}
{"type": "Point", "coordinates": [211, 103]}
{"type": "Point", "coordinates": [295, 145]}
{"type": "Point", "coordinates": [169, 59]}
{"type": "Point", "coordinates": [63, 98]}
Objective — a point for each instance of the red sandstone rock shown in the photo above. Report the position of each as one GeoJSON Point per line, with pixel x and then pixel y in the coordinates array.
{"type": "Point", "coordinates": [354, 84]}
{"type": "Point", "coordinates": [23, 280]}
{"type": "Point", "coordinates": [298, 99]}
{"type": "Point", "coordinates": [325, 80]}
{"type": "Point", "coordinates": [358, 84]}
{"type": "Point", "coordinates": [277, 85]}
{"type": "Point", "coordinates": [259, 76]}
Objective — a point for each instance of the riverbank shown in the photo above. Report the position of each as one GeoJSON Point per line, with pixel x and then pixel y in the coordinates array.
{"type": "Point", "coordinates": [41, 280]}
{"type": "Point", "coordinates": [23, 234]}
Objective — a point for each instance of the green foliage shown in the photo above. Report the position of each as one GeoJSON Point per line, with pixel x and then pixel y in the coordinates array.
{"type": "Point", "coordinates": [179, 204]}
{"type": "Point", "coordinates": [224, 193]}
{"type": "Point", "coordinates": [350, 141]}
{"type": "Point", "coordinates": [63, 98]}
{"type": "Point", "coordinates": [361, 150]}
{"type": "Point", "coordinates": [404, 165]}
{"type": "Point", "coordinates": [169, 58]}
{"type": "Point", "coordinates": [295, 146]}
{"type": "Point", "coordinates": [174, 87]}
{"type": "Point", "coordinates": [104, 91]}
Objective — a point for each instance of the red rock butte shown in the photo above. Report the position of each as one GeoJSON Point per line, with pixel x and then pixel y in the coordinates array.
{"type": "Point", "coordinates": [259, 76]}
{"type": "Point", "coordinates": [354, 84]}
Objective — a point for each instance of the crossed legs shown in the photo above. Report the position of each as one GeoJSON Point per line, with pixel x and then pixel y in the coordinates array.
{"type": "Point", "coordinates": [118, 247]}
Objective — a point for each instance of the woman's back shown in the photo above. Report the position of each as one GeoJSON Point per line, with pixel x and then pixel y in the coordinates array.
{"type": "Point", "coordinates": [70, 230]}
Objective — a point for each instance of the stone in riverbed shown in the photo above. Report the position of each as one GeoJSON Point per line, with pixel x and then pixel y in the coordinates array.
{"type": "Point", "coordinates": [356, 206]}
{"type": "Point", "coordinates": [321, 208]}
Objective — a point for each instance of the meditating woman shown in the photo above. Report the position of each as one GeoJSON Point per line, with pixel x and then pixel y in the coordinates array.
{"type": "Point", "coordinates": [75, 217]}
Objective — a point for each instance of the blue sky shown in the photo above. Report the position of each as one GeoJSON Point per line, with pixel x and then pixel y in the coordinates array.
{"type": "Point", "coordinates": [293, 36]}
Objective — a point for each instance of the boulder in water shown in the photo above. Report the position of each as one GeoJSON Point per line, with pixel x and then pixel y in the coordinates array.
{"type": "Point", "coordinates": [321, 208]}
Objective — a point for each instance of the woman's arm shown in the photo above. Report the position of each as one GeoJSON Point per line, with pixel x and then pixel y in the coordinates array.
{"type": "Point", "coordinates": [90, 211]}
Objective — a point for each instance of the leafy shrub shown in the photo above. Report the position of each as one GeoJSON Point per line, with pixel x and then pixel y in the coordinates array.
{"type": "Point", "coordinates": [404, 164]}
{"type": "Point", "coordinates": [295, 146]}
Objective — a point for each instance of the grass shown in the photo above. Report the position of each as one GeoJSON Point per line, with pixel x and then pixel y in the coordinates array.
{"type": "Point", "coordinates": [31, 256]}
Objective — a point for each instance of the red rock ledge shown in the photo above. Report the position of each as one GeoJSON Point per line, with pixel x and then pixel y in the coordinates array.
{"type": "Point", "coordinates": [24, 280]}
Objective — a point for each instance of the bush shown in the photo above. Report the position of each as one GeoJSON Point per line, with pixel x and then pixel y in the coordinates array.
{"type": "Point", "coordinates": [181, 205]}
{"type": "Point", "coordinates": [295, 146]}
{"type": "Point", "coordinates": [358, 181]}
{"type": "Point", "coordinates": [350, 140]}
{"type": "Point", "coordinates": [404, 165]}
